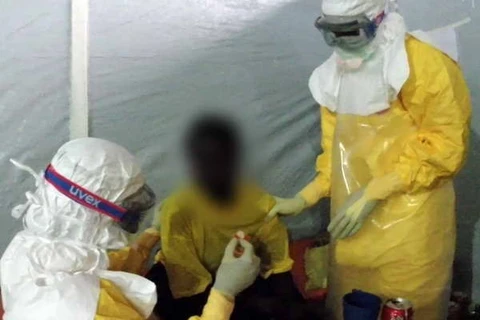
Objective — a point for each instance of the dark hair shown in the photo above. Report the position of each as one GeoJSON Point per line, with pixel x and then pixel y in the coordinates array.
{"type": "Point", "coordinates": [216, 128]}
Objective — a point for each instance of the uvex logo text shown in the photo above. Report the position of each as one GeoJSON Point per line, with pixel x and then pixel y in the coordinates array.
{"type": "Point", "coordinates": [84, 196]}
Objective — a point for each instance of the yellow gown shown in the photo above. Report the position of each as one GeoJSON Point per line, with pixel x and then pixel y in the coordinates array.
{"type": "Point", "coordinates": [112, 303]}
{"type": "Point", "coordinates": [406, 246]}
{"type": "Point", "coordinates": [195, 232]}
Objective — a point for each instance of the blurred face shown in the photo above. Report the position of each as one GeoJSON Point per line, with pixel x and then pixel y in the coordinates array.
{"type": "Point", "coordinates": [213, 165]}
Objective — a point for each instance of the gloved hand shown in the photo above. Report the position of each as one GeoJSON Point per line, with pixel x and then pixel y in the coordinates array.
{"type": "Point", "coordinates": [237, 274]}
{"type": "Point", "coordinates": [147, 241]}
{"type": "Point", "coordinates": [351, 216]}
{"type": "Point", "coordinates": [138, 254]}
{"type": "Point", "coordinates": [360, 204]}
{"type": "Point", "coordinates": [287, 207]}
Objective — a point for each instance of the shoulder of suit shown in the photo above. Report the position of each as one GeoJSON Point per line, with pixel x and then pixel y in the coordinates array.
{"type": "Point", "coordinates": [420, 52]}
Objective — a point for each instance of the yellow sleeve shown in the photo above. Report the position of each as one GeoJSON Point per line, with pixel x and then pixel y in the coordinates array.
{"type": "Point", "coordinates": [320, 186]}
{"type": "Point", "coordinates": [272, 244]}
{"type": "Point", "coordinates": [118, 259]}
{"type": "Point", "coordinates": [112, 304]}
{"type": "Point", "coordinates": [438, 99]}
{"type": "Point", "coordinates": [156, 222]}
{"type": "Point", "coordinates": [218, 307]}
{"type": "Point", "coordinates": [186, 274]}
{"type": "Point", "coordinates": [134, 259]}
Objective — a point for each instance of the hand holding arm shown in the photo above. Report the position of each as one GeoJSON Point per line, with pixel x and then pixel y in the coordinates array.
{"type": "Point", "coordinates": [287, 207]}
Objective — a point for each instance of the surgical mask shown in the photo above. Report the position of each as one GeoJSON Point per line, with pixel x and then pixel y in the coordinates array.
{"type": "Point", "coordinates": [349, 33]}
{"type": "Point", "coordinates": [354, 59]}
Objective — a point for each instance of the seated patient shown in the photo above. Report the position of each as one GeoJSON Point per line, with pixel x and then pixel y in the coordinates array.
{"type": "Point", "coordinates": [60, 266]}
{"type": "Point", "coordinates": [198, 221]}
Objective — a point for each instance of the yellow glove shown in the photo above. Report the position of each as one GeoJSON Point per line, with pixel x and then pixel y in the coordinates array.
{"type": "Point", "coordinates": [134, 259]}
{"type": "Point", "coordinates": [147, 241]}
{"type": "Point", "coordinates": [287, 207]}
{"type": "Point", "coordinates": [349, 220]}
{"type": "Point", "coordinates": [143, 246]}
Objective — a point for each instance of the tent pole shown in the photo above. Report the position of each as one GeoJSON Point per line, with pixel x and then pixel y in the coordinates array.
{"type": "Point", "coordinates": [79, 70]}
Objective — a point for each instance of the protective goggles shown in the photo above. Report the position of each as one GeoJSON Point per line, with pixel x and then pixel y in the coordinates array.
{"type": "Point", "coordinates": [349, 33]}
{"type": "Point", "coordinates": [128, 215]}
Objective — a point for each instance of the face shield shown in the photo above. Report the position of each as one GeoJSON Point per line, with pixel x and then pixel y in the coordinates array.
{"type": "Point", "coordinates": [136, 205]}
{"type": "Point", "coordinates": [348, 32]}
{"type": "Point", "coordinates": [128, 214]}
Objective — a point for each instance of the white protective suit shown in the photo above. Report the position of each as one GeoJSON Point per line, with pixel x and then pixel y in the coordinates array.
{"type": "Point", "coordinates": [53, 268]}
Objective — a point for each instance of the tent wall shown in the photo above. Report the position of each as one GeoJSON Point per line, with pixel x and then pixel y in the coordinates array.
{"type": "Point", "coordinates": [153, 64]}
{"type": "Point", "coordinates": [34, 95]}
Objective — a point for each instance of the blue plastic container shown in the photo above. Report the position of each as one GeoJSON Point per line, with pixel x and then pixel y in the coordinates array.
{"type": "Point", "coordinates": [360, 305]}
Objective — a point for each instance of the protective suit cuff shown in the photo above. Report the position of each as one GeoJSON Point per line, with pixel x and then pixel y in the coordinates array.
{"type": "Point", "coordinates": [407, 177]}
{"type": "Point", "coordinates": [400, 184]}
{"type": "Point", "coordinates": [382, 187]}
{"type": "Point", "coordinates": [218, 306]}
{"type": "Point", "coordinates": [311, 194]}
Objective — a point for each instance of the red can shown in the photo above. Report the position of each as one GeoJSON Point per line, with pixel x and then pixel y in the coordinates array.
{"type": "Point", "coordinates": [397, 309]}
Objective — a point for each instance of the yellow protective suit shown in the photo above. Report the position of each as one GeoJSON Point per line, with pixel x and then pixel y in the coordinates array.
{"type": "Point", "coordinates": [195, 232]}
{"type": "Point", "coordinates": [112, 303]}
{"type": "Point", "coordinates": [406, 246]}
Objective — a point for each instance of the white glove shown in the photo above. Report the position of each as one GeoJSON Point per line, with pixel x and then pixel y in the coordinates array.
{"type": "Point", "coordinates": [350, 218]}
{"type": "Point", "coordinates": [237, 274]}
{"type": "Point", "coordinates": [360, 205]}
{"type": "Point", "coordinates": [287, 207]}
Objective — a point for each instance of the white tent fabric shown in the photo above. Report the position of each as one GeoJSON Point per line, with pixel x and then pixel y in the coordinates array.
{"type": "Point", "coordinates": [34, 94]}
{"type": "Point", "coordinates": [152, 65]}
{"type": "Point", "coordinates": [154, 62]}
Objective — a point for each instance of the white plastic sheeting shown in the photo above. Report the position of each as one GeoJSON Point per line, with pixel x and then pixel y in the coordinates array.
{"type": "Point", "coordinates": [34, 94]}
{"type": "Point", "coordinates": [154, 62]}
{"type": "Point", "coordinates": [153, 65]}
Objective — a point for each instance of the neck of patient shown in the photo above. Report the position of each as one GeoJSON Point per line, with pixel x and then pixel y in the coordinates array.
{"type": "Point", "coordinates": [223, 195]}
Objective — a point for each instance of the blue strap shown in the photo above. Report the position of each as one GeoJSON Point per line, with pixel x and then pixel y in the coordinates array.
{"type": "Point", "coordinates": [83, 196]}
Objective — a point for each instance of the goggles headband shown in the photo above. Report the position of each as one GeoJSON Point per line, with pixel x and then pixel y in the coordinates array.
{"type": "Point", "coordinates": [83, 196]}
